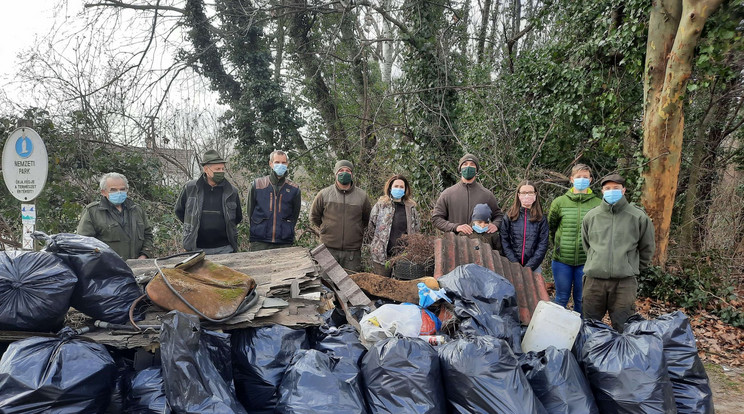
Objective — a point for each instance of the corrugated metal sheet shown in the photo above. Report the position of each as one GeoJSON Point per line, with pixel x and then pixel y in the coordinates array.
{"type": "Point", "coordinates": [451, 251]}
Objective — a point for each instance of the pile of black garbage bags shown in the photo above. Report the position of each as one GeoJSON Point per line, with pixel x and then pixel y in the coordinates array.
{"type": "Point", "coordinates": [652, 367]}
{"type": "Point", "coordinates": [38, 288]}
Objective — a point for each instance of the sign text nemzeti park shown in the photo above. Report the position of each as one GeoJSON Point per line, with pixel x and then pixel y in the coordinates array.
{"type": "Point", "coordinates": [25, 164]}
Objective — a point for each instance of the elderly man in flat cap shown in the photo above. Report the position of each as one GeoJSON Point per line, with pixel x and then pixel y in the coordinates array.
{"type": "Point", "coordinates": [209, 208]}
{"type": "Point", "coordinates": [618, 238]}
{"type": "Point", "coordinates": [454, 208]}
{"type": "Point", "coordinates": [341, 212]}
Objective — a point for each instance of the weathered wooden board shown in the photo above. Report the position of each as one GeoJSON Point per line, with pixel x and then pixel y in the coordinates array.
{"type": "Point", "coordinates": [273, 270]}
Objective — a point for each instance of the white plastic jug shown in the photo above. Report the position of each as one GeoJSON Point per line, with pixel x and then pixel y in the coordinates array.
{"type": "Point", "coordinates": [551, 324]}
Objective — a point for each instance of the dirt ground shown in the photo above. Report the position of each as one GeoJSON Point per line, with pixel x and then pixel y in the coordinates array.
{"type": "Point", "coordinates": [727, 384]}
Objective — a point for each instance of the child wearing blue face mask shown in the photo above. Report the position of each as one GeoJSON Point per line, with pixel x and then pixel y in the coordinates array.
{"type": "Point", "coordinates": [480, 219]}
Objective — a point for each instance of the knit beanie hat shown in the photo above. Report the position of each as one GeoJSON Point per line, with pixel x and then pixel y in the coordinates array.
{"type": "Point", "coordinates": [482, 212]}
{"type": "Point", "coordinates": [342, 163]}
{"type": "Point", "coordinates": [469, 157]}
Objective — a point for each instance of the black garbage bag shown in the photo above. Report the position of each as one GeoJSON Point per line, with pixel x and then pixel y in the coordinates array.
{"type": "Point", "coordinates": [316, 382]}
{"type": "Point", "coordinates": [193, 383]}
{"type": "Point", "coordinates": [35, 291]}
{"type": "Point", "coordinates": [477, 290]}
{"type": "Point", "coordinates": [587, 329]}
{"type": "Point", "coordinates": [58, 375]}
{"type": "Point", "coordinates": [260, 357]}
{"type": "Point", "coordinates": [124, 373]}
{"type": "Point", "coordinates": [558, 382]}
{"type": "Point", "coordinates": [692, 392]}
{"type": "Point", "coordinates": [482, 375]}
{"type": "Point", "coordinates": [147, 393]}
{"type": "Point", "coordinates": [218, 348]}
{"type": "Point", "coordinates": [106, 287]}
{"type": "Point", "coordinates": [494, 325]}
{"type": "Point", "coordinates": [628, 373]}
{"type": "Point", "coordinates": [402, 375]}
{"type": "Point", "coordinates": [343, 342]}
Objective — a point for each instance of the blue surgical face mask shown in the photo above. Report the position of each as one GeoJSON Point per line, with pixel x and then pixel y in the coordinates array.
{"type": "Point", "coordinates": [280, 169]}
{"type": "Point", "coordinates": [581, 184]}
{"type": "Point", "coordinates": [479, 229]}
{"type": "Point", "coordinates": [117, 197]}
{"type": "Point", "coordinates": [612, 196]}
{"type": "Point", "coordinates": [397, 193]}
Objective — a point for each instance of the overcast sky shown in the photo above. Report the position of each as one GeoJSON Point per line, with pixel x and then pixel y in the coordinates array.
{"type": "Point", "coordinates": [25, 21]}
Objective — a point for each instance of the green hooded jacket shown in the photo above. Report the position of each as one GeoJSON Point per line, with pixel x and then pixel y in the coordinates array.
{"type": "Point", "coordinates": [564, 219]}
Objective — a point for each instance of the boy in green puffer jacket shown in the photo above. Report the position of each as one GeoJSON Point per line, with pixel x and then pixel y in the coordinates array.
{"type": "Point", "coordinates": [564, 219]}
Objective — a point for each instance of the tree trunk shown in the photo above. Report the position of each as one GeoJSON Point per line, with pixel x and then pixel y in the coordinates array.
{"type": "Point", "coordinates": [360, 75]}
{"type": "Point", "coordinates": [299, 29]}
{"type": "Point", "coordinates": [279, 59]}
{"type": "Point", "coordinates": [485, 17]}
{"type": "Point", "coordinates": [689, 228]}
{"type": "Point", "coordinates": [672, 39]}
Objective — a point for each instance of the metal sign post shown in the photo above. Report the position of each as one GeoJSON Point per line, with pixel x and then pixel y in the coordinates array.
{"type": "Point", "coordinates": [25, 166]}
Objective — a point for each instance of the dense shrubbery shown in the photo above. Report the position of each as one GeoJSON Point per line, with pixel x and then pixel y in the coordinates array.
{"type": "Point", "coordinates": [697, 281]}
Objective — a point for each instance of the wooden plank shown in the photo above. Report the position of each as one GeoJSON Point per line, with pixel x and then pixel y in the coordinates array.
{"type": "Point", "coordinates": [273, 270]}
{"type": "Point", "coordinates": [339, 277]}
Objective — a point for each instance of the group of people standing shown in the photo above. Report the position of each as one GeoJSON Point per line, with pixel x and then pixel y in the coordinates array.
{"type": "Point", "coordinates": [599, 244]}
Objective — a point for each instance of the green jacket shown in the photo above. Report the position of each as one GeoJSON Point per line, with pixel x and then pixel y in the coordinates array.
{"type": "Point", "coordinates": [341, 216]}
{"type": "Point", "coordinates": [129, 238]}
{"type": "Point", "coordinates": [564, 220]}
{"type": "Point", "coordinates": [618, 239]}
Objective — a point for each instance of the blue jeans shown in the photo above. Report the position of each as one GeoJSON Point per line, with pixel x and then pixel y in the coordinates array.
{"type": "Point", "coordinates": [566, 277]}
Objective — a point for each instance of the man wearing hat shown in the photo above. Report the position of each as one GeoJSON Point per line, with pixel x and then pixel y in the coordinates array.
{"type": "Point", "coordinates": [209, 208]}
{"type": "Point", "coordinates": [618, 238]}
{"type": "Point", "coordinates": [341, 212]}
{"type": "Point", "coordinates": [274, 206]}
{"type": "Point", "coordinates": [455, 205]}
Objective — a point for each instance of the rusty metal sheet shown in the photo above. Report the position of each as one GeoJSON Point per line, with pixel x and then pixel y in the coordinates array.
{"type": "Point", "coordinates": [451, 251]}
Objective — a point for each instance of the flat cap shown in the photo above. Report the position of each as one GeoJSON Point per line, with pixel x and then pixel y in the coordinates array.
{"type": "Point", "coordinates": [615, 178]}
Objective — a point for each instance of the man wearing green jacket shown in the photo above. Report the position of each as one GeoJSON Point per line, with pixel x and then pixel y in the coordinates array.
{"type": "Point", "coordinates": [618, 238]}
{"type": "Point", "coordinates": [564, 220]}
{"type": "Point", "coordinates": [341, 213]}
{"type": "Point", "coordinates": [117, 220]}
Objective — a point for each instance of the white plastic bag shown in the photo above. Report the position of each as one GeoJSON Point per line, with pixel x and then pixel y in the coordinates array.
{"type": "Point", "coordinates": [389, 320]}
